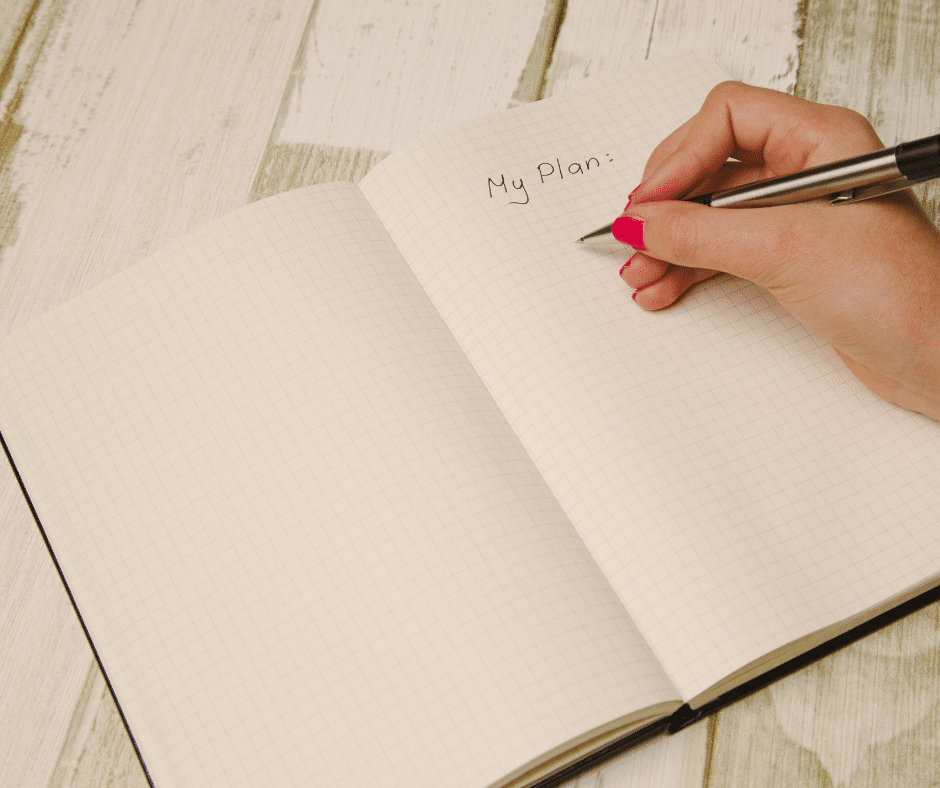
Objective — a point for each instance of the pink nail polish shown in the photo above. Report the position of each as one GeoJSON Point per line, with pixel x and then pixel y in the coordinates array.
{"type": "Point", "coordinates": [630, 197]}
{"type": "Point", "coordinates": [627, 264]}
{"type": "Point", "coordinates": [629, 231]}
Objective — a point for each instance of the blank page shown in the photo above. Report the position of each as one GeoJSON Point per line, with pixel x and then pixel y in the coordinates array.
{"type": "Point", "coordinates": [737, 485]}
{"type": "Point", "coordinates": [305, 542]}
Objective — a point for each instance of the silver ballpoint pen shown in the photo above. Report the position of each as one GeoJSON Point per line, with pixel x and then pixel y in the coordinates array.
{"type": "Point", "coordinates": [847, 181]}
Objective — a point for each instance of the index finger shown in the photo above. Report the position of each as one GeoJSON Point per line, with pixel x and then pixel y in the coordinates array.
{"type": "Point", "coordinates": [783, 133]}
{"type": "Point", "coordinates": [665, 149]}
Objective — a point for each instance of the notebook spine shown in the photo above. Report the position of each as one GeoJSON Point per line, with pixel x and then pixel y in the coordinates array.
{"type": "Point", "coordinates": [681, 717]}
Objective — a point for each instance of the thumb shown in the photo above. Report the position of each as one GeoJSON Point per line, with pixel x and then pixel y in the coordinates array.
{"type": "Point", "coordinates": [758, 244]}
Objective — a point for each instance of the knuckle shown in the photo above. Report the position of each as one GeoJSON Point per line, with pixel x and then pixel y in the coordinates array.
{"type": "Point", "coordinates": [849, 117]}
{"type": "Point", "coordinates": [724, 92]}
{"type": "Point", "coordinates": [850, 131]}
{"type": "Point", "coordinates": [683, 233]}
{"type": "Point", "coordinates": [773, 262]}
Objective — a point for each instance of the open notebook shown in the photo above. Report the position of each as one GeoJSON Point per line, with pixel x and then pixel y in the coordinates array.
{"type": "Point", "coordinates": [394, 485]}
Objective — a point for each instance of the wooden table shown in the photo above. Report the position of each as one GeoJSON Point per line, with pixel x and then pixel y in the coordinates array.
{"type": "Point", "coordinates": [125, 125]}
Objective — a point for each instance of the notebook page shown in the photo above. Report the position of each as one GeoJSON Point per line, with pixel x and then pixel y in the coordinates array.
{"type": "Point", "coordinates": [737, 485]}
{"type": "Point", "coordinates": [307, 546]}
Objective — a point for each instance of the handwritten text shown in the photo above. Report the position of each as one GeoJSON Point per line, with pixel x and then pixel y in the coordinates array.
{"type": "Point", "coordinates": [546, 171]}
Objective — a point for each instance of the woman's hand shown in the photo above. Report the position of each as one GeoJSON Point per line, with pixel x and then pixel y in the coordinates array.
{"type": "Point", "coordinates": [866, 276]}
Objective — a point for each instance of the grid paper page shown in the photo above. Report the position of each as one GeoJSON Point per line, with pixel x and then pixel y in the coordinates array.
{"type": "Point", "coordinates": [737, 485]}
{"type": "Point", "coordinates": [305, 542]}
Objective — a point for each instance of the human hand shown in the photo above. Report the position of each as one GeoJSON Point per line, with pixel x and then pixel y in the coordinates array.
{"type": "Point", "coordinates": [865, 276]}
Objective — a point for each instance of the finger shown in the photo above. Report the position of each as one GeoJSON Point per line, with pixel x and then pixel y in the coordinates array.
{"type": "Point", "coordinates": [759, 244]}
{"type": "Point", "coordinates": [659, 284]}
{"type": "Point", "coordinates": [734, 173]}
{"type": "Point", "coordinates": [642, 270]}
{"type": "Point", "coordinates": [756, 125]}
{"type": "Point", "coordinates": [665, 148]}
{"type": "Point", "coordinates": [666, 290]}
{"type": "Point", "coordinates": [669, 146]}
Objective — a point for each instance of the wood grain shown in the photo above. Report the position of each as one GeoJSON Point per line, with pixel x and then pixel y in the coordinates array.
{"type": "Point", "coordinates": [97, 750]}
{"type": "Point", "coordinates": [665, 762]}
{"type": "Point", "coordinates": [43, 654]}
{"type": "Point", "coordinates": [123, 126]}
{"type": "Point", "coordinates": [753, 40]}
{"type": "Point", "coordinates": [138, 125]}
{"type": "Point", "coordinates": [880, 58]}
{"type": "Point", "coordinates": [868, 715]}
{"type": "Point", "coordinates": [42, 649]}
{"type": "Point", "coordinates": [298, 153]}
{"type": "Point", "coordinates": [347, 107]}
{"type": "Point", "coordinates": [380, 75]}
{"type": "Point", "coordinates": [571, 42]}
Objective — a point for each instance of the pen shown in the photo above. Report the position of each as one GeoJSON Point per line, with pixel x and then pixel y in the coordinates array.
{"type": "Point", "coordinates": [850, 180]}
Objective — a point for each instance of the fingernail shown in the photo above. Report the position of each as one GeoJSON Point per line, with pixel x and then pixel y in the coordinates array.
{"type": "Point", "coordinates": [629, 231]}
{"type": "Point", "coordinates": [630, 197]}
{"type": "Point", "coordinates": [634, 294]}
{"type": "Point", "coordinates": [627, 264]}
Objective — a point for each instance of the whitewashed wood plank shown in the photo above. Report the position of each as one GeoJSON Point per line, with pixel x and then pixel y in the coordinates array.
{"type": "Point", "coordinates": [290, 165]}
{"type": "Point", "coordinates": [753, 40]}
{"type": "Point", "coordinates": [43, 654]}
{"type": "Point", "coordinates": [531, 85]}
{"type": "Point", "coordinates": [123, 126]}
{"type": "Point", "coordinates": [881, 58]}
{"type": "Point", "coordinates": [97, 751]}
{"type": "Point", "coordinates": [868, 716]}
{"type": "Point", "coordinates": [377, 75]}
{"type": "Point", "coordinates": [16, 16]}
{"type": "Point", "coordinates": [33, 700]}
{"type": "Point", "coordinates": [139, 123]}
{"type": "Point", "coordinates": [664, 762]}
{"type": "Point", "coordinates": [862, 686]}
{"type": "Point", "coordinates": [454, 61]}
